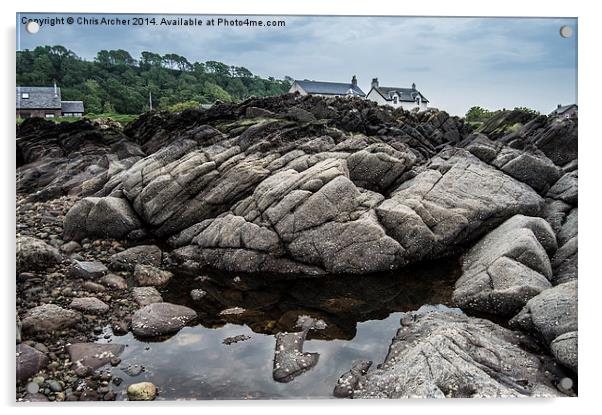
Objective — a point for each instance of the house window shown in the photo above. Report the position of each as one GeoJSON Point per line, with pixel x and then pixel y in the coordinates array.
{"type": "Point", "coordinates": [395, 100]}
{"type": "Point", "coordinates": [50, 115]}
{"type": "Point", "coordinates": [25, 95]}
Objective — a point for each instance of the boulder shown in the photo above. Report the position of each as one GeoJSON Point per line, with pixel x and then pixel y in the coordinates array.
{"type": "Point", "coordinates": [160, 319]}
{"type": "Point", "coordinates": [47, 318]}
{"type": "Point", "coordinates": [147, 275]}
{"type": "Point", "coordinates": [565, 262]}
{"type": "Point", "coordinates": [103, 217]}
{"type": "Point", "coordinates": [91, 305]}
{"type": "Point", "coordinates": [146, 295]}
{"type": "Point", "coordinates": [440, 352]}
{"type": "Point", "coordinates": [35, 255]}
{"type": "Point", "coordinates": [507, 267]}
{"type": "Point", "coordinates": [142, 254]}
{"type": "Point", "coordinates": [551, 313]}
{"type": "Point", "coordinates": [566, 188]}
{"type": "Point", "coordinates": [29, 362]}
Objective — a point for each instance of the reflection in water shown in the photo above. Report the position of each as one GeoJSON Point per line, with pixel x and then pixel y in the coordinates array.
{"type": "Point", "coordinates": [361, 315]}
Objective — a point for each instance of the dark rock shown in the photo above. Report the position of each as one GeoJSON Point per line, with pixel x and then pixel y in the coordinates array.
{"type": "Point", "coordinates": [114, 281]}
{"type": "Point", "coordinates": [147, 275]}
{"type": "Point", "coordinates": [146, 295]}
{"type": "Point", "coordinates": [289, 359]}
{"type": "Point", "coordinates": [70, 247]}
{"type": "Point", "coordinates": [48, 318]}
{"type": "Point", "coordinates": [107, 217]}
{"type": "Point", "coordinates": [93, 355]}
{"type": "Point", "coordinates": [29, 362]}
{"type": "Point", "coordinates": [128, 259]}
{"type": "Point", "coordinates": [89, 305]}
{"type": "Point", "coordinates": [87, 269]}
{"type": "Point", "coordinates": [34, 254]}
{"type": "Point", "coordinates": [159, 319]}
{"type": "Point", "coordinates": [348, 381]}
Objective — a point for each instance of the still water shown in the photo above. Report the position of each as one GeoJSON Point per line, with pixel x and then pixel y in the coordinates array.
{"type": "Point", "coordinates": [362, 315]}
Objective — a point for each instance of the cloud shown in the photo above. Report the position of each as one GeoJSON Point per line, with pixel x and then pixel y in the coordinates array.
{"type": "Point", "coordinates": [456, 62]}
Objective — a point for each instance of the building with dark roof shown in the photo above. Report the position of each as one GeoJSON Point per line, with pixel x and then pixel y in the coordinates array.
{"type": "Point", "coordinates": [406, 98]}
{"type": "Point", "coordinates": [329, 89]}
{"type": "Point", "coordinates": [565, 111]}
{"type": "Point", "coordinates": [45, 102]}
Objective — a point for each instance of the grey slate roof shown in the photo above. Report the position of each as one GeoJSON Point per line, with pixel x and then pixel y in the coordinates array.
{"type": "Point", "coordinates": [405, 94]}
{"type": "Point", "coordinates": [563, 109]}
{"type": "Point", "coordinates": [41, 97]}
{"type": "Point", "coordinates": [329, 88]}
{"type": "Point", "coordinates": [72, 106]}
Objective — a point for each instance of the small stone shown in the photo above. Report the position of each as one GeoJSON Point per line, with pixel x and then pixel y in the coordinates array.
{"type": "Point", "coordinates": [143, 391]}
{"type": "Point", "coordinates": [146, 295]}
{"type": "Point", "coordinates": [114, 281]}
{"type": "Point", "coordinates": [88, 269]}
{"type": "Point", "coordinates": [147, 275]}
{"type": "Point", "coordinates": [89, 305]}
{"type": "Point", "coordinates": [54, 386]}
{"type": "Point", "coordinates": [32, 387]}
{"type": "Point", "coordinates": [93, 287]}
{"type": "Point", "coordinates": [70, 247]}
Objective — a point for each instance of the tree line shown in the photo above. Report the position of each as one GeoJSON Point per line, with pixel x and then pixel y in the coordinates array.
{"type": "Point", "coordinates": [480, 114]}
{"type": "Point", "coordinates": [115, 82]}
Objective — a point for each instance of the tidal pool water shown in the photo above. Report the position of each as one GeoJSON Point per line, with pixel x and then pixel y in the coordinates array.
{"type": "Point", "coordinates": [362, 315]}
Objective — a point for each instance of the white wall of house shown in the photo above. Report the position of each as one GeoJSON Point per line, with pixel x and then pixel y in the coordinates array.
{"type": "Point", "coordinates": [408, 106]}
{"type": "Point", "coordinates": [296, 88]}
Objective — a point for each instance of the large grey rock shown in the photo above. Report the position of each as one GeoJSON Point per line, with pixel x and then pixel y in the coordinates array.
{"type": "Point", "coordinates": [507, 267]}
{"type": "Point", "coordinates": [159, 319]}
{"type": "Point", "coordinates": [440, 352]}
{"type": "Point", "coordinates": [551, 313]}
{"type": "Point", "coordinates": [47, 318]}
{"type": "Point", "coordinates": [142, 254]}
{"type": "Point", "coordinates": [455, 200]}
{"type": "Point", "coordinates": [565, 349]}
{"type": "Point", "coordinates": [147, 275]}
{"type": "Point", "coordinates": [146, 295]}
{"type": "Point", "coordinates": [104, 217]}
{"type": "Point", "coordinates": [93, 355]}
{"type": "Point", "coordinates": [35, 255]}
{"type": "Point", "coordinates": [565, 262]}
{"type": "Point", "coordinates": [29, 362]}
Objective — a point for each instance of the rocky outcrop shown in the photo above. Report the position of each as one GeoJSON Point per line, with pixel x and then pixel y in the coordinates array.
{"type": "Point", "coordinates": [507, 267]}
{"type": "Point", "coordinates": [441, 352]}
{"type": "Point", "coordinates": [55, 159]}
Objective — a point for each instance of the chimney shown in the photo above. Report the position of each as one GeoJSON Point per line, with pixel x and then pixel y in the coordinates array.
{"type": "Point", "coordinates": [354, 81]}
{"type": "Point", "coordinates": [559, 106]}
{"type": "Point", "coordinates": [413, 86]}
{"type": "Point", "coordinates": [56, 94]}
{"type": "Point", "coordinates": [374, 82]}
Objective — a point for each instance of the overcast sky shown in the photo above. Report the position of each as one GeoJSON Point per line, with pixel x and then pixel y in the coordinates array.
{"type": "Point", "coordinates": [455, 62]}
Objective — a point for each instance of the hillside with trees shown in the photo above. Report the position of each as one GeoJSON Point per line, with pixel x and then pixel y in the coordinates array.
{"type": "Point", "coordinates": [116, 82]}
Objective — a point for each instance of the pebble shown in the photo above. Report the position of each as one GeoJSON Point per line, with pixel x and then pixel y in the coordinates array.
{"type": "Point", "coordinates": [32, 387]}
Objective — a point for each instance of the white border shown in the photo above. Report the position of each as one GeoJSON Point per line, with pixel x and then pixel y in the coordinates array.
{"type": "Point", "coordinates": [590, 133]}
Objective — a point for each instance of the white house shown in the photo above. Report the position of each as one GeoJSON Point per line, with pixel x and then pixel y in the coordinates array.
{"type": "Point", "coordinates": [328, 89]}
{"type": "Point", "coordinates": [406, 98]}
